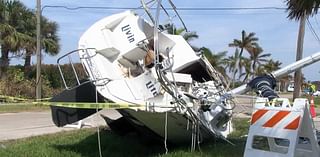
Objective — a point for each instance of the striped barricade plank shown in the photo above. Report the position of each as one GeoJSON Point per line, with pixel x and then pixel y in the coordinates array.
{"type": "Point", "coordinates": [281, 129]}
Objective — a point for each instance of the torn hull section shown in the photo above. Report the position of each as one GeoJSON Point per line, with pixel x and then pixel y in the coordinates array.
{"type": "Point", "coordinates": [63, 115]}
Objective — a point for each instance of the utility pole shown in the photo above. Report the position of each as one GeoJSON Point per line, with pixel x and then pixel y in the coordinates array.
{"type": "Point", "coordinates": [38, 52]}
{"type": "Point", "coordinates": [297, 74]}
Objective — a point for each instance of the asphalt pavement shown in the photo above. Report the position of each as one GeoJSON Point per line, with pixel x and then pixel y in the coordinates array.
{"type": "Point", "coordinates": [26, 124]}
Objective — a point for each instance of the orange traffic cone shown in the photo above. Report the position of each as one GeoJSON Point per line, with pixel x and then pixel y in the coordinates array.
{"type": "Point", "coordinates": [312, 109]}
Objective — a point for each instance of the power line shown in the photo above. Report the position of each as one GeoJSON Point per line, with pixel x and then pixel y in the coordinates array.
{"type": "Point", "coordinates": [317, 23]}
{"type": "Point", "coordinates": [313, 31]}
{"type": "Point", "coordinates": [181, 9]}
{"type": "Point", "coordinates": [223, 14]}
{"type": "Point", "coordinates": [232, 8]}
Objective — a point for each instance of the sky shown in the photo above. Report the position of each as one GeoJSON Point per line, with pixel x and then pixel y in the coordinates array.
{"type": "Point", "coordinates": [216, 29]}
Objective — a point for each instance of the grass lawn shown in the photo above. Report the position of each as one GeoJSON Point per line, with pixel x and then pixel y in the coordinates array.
{"type": "Point", "coordinates": [83, 143]}
{"type": "Point", "coordinates": [315, 98]}
{"type": "Point", "coordinates": [317, 101]}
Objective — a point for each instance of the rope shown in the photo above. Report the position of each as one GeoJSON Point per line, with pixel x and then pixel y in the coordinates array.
{"type": "Point", "coordinates": [198, 136]}
{"type": "Point", "coordinates": [193, 137]}
{"type": "Point", "coordinates": [166, 133]}
{"type": "Point", "coordinates": [98, 130]}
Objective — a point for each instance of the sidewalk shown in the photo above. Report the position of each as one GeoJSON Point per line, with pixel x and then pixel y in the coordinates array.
{"type": "Point", "coordinates": [26, 124]}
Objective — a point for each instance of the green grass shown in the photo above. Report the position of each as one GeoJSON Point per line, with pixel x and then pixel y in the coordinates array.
{"type": "Point", "coordinates": [241, 126]}
{"type": "Point", "coordinates": [4, 108]}
{"type": "Point", "coordinates": [317, 101]}
{"type": "Point", "coordinates": [83, 143]}
{"type": "Point", "coordinates": [315, 98]}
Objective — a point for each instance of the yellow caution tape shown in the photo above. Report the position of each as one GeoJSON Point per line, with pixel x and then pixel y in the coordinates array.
{"type": "Point", "coordinates": [4, 98]}
{"type": "Point", "coordinates": [10, 99]}
{"type": "Point", "coordinates": [88, 105]}
{"type": "Point", "coordinates": [82, 105]}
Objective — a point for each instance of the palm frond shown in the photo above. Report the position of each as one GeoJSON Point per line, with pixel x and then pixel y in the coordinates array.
{"type": "Point", "coordinates": [297, 8]}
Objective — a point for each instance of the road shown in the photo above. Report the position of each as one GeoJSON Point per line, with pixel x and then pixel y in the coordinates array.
{"type": "Point", "coordinates": [26, 124]}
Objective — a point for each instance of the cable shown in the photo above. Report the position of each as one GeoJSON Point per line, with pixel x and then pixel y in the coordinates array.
{"type": "Point", "coordinates": [166, 133]}
{"type": "Point", "coordinates": [199, 137]}
{"type": "Point", "coordinates": [181, 9]}
{"type": "Point", "coordinates": [313, 31]}
{"type": "Point", "coordinates": [98, 130]}
{"type": "Point", "coordinates": [316, 20]}
{"type": "Point", "coordinates": [193, 137]}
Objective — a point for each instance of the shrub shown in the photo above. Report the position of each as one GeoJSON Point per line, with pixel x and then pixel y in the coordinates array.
{"type": "Point", "coordinates": [19, 84]}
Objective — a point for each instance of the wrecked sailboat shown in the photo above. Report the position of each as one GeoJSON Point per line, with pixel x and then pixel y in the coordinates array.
{"type": "Point", "coordinates": [129, 61]}
{"type": "Point", "coordinates": [177, 95]}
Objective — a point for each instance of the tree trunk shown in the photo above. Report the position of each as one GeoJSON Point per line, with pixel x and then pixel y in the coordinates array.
{"type": "Point", "coordinates": [297, 74]}
{"type": "Point", "coordinates": [4, 61]}
{"type": "Point", "coordinates": [27, 63]}
{"type": "Point", "coordinates": [246, 78]}
{"type": "Point", "coordinates": [234, 79]}
{"type": "Point", "coordinates": [239, 62]}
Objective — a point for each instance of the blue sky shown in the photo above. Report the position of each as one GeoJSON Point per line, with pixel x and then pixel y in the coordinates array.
{"type": "Point", "coordinates": [277, 35]}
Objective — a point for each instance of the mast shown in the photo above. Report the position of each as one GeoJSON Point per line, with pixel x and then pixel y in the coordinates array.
{"type": "Point", "coordinates": [283, 71]}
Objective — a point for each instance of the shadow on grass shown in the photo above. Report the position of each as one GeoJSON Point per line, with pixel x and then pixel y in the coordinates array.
{"type": "Point", "coordinates": [114, 145]}
{"type": "Point", "coordinates": [84, 143]}
{"type": "Point", "coordinates": [134, 145]}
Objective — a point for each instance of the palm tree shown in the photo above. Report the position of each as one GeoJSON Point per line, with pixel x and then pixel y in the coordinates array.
{"type": "Point", "coordinates": [247, 42]}
{"type": "Point", "coordinates": [29, 46]}
{"type": "Point", "coordinates": [271, 66]}
{"type": "Point", "coordinates": [268, 67]}
{"type": "Point", "coordinates": [188, 36]}
{"type": "Point", "coordinates": [18, 33]}
{"type": "Point", "coordinates": [232, 65]}
{"type": "Point", "coordinates": [11, 23]}
{"type": "Point", "coordinates": [257, 59]}
{"type": "Point", "coordinates": [49, 41]}
{"type": "Point", "coordinates": [246, 64]}
{"type": "Point", "coordinates": [300, 10]}
{"type": "Point", "coordinates": [171, 29]}
{"type": "Point", "coordinates": [217, 60]}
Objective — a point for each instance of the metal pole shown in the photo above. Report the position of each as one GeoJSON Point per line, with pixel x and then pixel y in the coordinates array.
{"type": "Point", "coordinates": [38, 52]}
{"type": "Point", "coordinates": [283, 71]}
{"type": "Point", "coordinates": [298, 73]}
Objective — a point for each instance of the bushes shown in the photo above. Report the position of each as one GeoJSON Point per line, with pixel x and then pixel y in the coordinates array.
{"type": "Point", "coordinates": [14, 84]}
{"type": "Point", "coordinates": [19, 84]}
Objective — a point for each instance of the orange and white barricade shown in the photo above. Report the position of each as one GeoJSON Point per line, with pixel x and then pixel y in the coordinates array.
{"type": "Point", "coordinates": [281, 130]}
